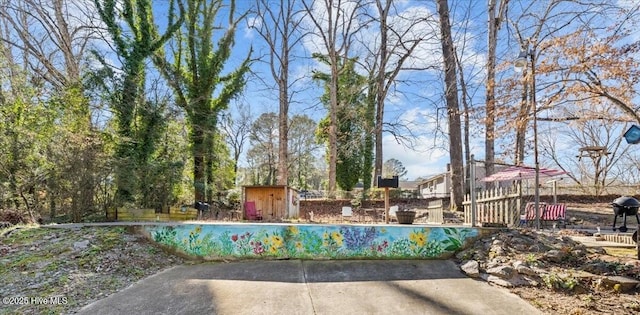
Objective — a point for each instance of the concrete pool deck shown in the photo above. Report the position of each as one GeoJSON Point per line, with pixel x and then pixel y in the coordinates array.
{"type": "Point", "coordinates": [313, 287]}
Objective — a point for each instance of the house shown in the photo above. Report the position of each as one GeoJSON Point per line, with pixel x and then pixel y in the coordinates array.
{"type": "Point", "coordinates": [439, 186]}
{"type": "Point", "coordinates": [408, 188]}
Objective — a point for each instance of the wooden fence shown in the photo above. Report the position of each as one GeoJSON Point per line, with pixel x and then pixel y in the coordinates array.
{"type": "Point", "coordinates": [433, 214]}
{"type": "Point", "coordinates": [436, 211]}
{"type": "Point", "coordinates": [135, 214]}
{"type": "Point", "coordinates": [495, 207]}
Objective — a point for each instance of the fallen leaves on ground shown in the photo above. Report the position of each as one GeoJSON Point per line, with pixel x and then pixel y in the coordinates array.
{"type": "Point", "coordinates": [72, 267]}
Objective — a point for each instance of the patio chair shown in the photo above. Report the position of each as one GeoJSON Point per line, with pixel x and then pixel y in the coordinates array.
{"type": "Point", "coordinates": [556, 213]}
{"type": "Point", "coordinates": [250, 211]}
{"type": "Point", "coordinates": [529, 217]}
{"type": "Point", "coordinates": [392, 213]}
{"type": "Point", "coordinates": [347, 212]}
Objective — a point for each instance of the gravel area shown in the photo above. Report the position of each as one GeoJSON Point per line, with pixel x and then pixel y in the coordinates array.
{"type": "Point", "coordinates": [555, 273]}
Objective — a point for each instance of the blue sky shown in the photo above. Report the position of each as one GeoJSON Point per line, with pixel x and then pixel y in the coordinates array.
{"type": "Point", "coordinates": [416, 102]}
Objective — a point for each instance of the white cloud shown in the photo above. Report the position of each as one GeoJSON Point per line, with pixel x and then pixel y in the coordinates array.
{"type": "Point", "coordinates": [421, 161]}
{"type": "Point", "coordinates": [253, 22]}
{"type": "Point", "coordinates": [426, 155]}
{"type": "Point", "coordinates": [314, 43]}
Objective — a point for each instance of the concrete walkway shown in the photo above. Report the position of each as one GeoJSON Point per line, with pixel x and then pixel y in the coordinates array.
{"type": "Point", "coordinates": [313, 287]}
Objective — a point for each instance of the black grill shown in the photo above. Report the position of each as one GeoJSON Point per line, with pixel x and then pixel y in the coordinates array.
{"type": "Point", "coordinates": [622, 207]}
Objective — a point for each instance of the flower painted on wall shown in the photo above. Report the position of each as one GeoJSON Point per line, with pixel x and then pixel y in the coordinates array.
{"type": "Point", "coordinates": [276, 240]}
{"type": "Point", "coordinates": [380, 248]}
{"type": "Point", "coordinates": [275, 244]}
{"type": "Point", "coordinates": [337, 238]}
{"type": "Point", "coordinates": [166, 235]}
{"type": "Point", "coordinates": [419, 238]}
{"type": "Point", "coordinates": [241, 243]}
{"type": "Point", "coordinates": [358, 238]}
{"type": "Point", "coordinates": [312, 241]}
{"type": "Point", "coordinates": [416, 244]}
{"type": "Point", "coordinates": [310, 244]}
{"type": "Point", "coordinates": [194, 243]}
{"type": "Point", "coordinates": [258, 248]}
{"type": "Point", "coordinates": [330, 243]}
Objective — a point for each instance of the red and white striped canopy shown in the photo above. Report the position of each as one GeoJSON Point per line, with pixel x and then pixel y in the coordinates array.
{"type": "Point", "coordinates": [521, 172]}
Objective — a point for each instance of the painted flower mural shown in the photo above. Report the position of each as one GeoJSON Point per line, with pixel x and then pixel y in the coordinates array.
{"type": "Point", "coordinates": [311, 241]}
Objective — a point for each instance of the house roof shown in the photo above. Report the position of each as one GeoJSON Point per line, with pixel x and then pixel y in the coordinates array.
{"type": "Point", "coordinates": [408, 184]}
{"type": "Point", "coordinates": [432, 178]}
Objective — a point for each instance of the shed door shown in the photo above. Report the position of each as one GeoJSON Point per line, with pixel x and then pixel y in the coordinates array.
{"type": "Point", "coordinates": [270, 200]}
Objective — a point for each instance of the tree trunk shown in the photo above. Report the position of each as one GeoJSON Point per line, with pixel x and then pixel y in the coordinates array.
{"type": "Point", "coordinates": [378, 145]}
{"type": "Point", "coordinates": [125, 180]}
{"type": "Point", "coordinates": [451, 95]}
{"type": "Point", "coordinates": [333, 124]}
{"type": "Point", "coordinates": [51, 194]}
{"type": "Point", "coordinates": [522, 121]}
{"type": "Point", "coordinates": [489, 143]}
{"type": "Point", "coordinates": [283, 130]}
{"type": "Point", "coordinates": [380, 87]}
{"type": "Point", "coordinates": [467, 145]}
{"type": "Point", "coordinates": [126, 152]}
{"type": "Point", "coordinates": [210, 159]}
{"type": "Point", "coordinates": [369, 143]}
{"type": "Point", "coordinates": [199, 176]}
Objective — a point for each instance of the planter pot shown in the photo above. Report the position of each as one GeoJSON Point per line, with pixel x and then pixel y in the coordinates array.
{"type": "Point", "coordinates": [406, 217]}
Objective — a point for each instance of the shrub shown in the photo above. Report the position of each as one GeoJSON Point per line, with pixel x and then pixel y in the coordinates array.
{"type": "Point", "coordinates": [12, 216]}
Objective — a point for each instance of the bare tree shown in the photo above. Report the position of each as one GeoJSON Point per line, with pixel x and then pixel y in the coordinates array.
{"type": "Point", "coordinates": [236, 130]}
{"type": "Point", "coordinates": [55, 34]}
{"type": "Point", "coordinates": [594, 69]}
{"type": "Point", "coordinates": [335, 22]}
{"type": "Point", "coordinates": [536, 26]}
{"type": "Point", "coordinates": [495, 21]}
{"type": "Point", "coordinates": [396, 45]}
{"type": "Point", "coordinates": [264, 151]}
{"type": "Point", "coordinates": [628, 169]}
{"type": "Point", "coordinates": [596, 145]}
{"type": "Point", "coordinates": [53, 38]}
{"type": "Point", "coordinates": [469, 71]}
{"type": "Point", "coordinates": [530, 45]}
{"type": "Point", "coordinates": [303, 146]}
{"type": "Point", "coordinates": [583, 68]}
{"type": "Point", "coordinates": [453, 110]}
{"type": "Point", "coordinates": [278, 24]}
{"type": "Point", "coordinates": [394, 167]}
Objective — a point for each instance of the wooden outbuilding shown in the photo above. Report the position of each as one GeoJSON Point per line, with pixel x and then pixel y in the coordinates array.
{"type": "Point", "coordinates": [274, 202]}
